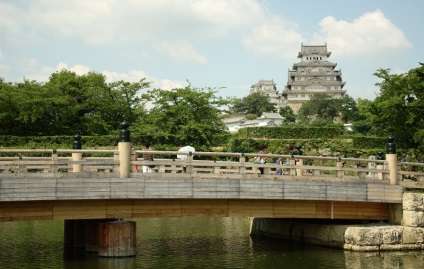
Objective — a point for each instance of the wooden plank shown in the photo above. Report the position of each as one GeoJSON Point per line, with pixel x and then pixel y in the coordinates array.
{"type": "Point", "coordinates": [246, 208]}
{"type": "Point", "coordinates": [212, 208]}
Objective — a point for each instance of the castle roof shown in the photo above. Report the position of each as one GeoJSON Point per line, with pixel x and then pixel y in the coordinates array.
{"type": "Point", "coordinates": [314, 49]}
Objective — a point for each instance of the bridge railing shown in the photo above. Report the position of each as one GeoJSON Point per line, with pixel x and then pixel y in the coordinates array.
{"type": "Point", "coordinates": [224, 164]}
{"type": "Point", "coordinates": [61, 160]}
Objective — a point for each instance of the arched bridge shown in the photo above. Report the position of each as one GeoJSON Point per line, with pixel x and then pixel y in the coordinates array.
{"type": "Point", "coordinates": [103, 184]}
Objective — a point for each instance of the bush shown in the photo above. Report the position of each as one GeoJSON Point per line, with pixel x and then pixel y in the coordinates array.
{"type": "Point", "coordinates": [292, 132]}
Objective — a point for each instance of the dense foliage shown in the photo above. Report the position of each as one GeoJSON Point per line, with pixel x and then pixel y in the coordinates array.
{"type": "Point", "coordinates": [324, 107]}
{"type": "Point", "coordinates": [288, 114]}
{"type": "Point", "coordinates": [255, 103]}
{"type": "Point", "coordinates": [399, 108]}
{"type": "Point", "coordinates": [292, 132]}
{"type": "Point", "coordinates": [183, 116]}
{"type": "Point", "coordinates": [68, 104]}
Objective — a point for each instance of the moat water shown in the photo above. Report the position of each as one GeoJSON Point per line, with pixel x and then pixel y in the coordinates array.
{"type": "Point", "coordinates": [186, 243]}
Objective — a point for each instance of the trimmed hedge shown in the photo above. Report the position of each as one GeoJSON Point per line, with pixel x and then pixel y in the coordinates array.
{"type": "Point", "coordinates": [55, 142]}
{"type": "Point", "coordinates": [356, 146]}
{"type": "Point", "coordinates": [311, 147]}
{"type": "Point", "coordinates": [292, 132]}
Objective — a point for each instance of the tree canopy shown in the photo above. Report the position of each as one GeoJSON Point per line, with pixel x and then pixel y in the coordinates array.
{"type": "Point", "coordinates": [255, 103]}
{"type": "Point", "coordinates": [399, 107]}
{"type": "Point", "coordinates": [320, 106]}
{"type": "Point", "coordinates": [184, 116]}
{"type": "Point", "coordinates": [287, 113]}
{"type": "Point", "coordinates": [68, 104]}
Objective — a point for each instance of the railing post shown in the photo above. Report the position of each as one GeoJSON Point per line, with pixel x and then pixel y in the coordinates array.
{"type": "Point", "coordinates": [115, 167]}
{"type": "Point", "coordinates": [77, 156]}
{"type": "Point", "coordinates": [391, 158]}
{"type": "Point", "coordinates": [124, 148]}
{"type": "Point", "coordinates": [216, 169]}
{"type": "Point", "coordinates": [21, 166]}
{"type": "Point", "coordinates": [133, 158]}
{"type": "Point", "coordinates": [299, 172]}
{"type": "Point", "coordinates": [189, 167]}
{"type": "Point", "coordinates": [292, 171]}
{"type": "Point", "coordinates": [339, 165]}
{"type": "Point", "coordinates": [242, 161]}
{"type": "Point", "coordinates": [380, 157]}
{"type": "Point", "coordinates": [55, 167]}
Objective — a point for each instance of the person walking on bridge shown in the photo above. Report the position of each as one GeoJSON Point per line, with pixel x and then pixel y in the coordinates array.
{"type": "Point", "coordinates": [147, 157]}
{"type": "Point", "coordinates": [260, 160]}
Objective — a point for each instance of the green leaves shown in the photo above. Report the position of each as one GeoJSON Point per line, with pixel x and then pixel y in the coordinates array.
{"type": "Point", "coordinates": [183, 116]}
{"type": "Point", "coordinates": [68, 104]}
{"type": "Point", "coordinates": [255, 103]}
{"type": "Point", "coordinates": [398, 109]}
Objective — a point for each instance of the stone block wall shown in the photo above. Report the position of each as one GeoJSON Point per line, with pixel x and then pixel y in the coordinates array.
{"type": "Point", "coordinates": [413, 210]}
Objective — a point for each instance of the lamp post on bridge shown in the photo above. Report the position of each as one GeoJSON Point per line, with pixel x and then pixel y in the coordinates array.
{"type": "Point", "coordinates": [76, 156]}
{"type": "Point", "coordinates": [391, 158]}
{"type": "Point", "coordinates": [124, 148]}
{"type": "Point", "coordinates": [299, 172]}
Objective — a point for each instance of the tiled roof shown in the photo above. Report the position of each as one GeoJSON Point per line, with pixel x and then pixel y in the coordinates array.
{"type": "Point", "coordinates": [234, 120]}
{"type": "Point", "coordinates": [272, 115]}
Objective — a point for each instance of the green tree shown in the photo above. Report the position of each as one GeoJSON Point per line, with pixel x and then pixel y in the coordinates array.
{"type": "Point", "coordinates": [320, 106]}
{"type": "Point", "coordinates": [68, 104]}
{"type": "Point", "coordinates": [255, 103]}
{"type": "Point", "coordinates": [398, 109]}
{"type": "Point", "coordinates": [363, 118]}
{"type": "Point", "coordinates": [9, 112]}
{"type": "Point", "coordinates": [183, 116]}
{"type": "Point", "coordinates": [287, 112]}
{"type": "Point", "coordinates": [93, 107]}
{"type": "Point", "coordinates": [347, 108]}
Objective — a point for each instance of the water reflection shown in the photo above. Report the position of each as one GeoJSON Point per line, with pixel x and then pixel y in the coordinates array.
{"type": "Point", "coordinates": [185, 242]}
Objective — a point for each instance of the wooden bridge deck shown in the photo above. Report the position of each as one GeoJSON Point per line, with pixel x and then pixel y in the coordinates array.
{"type": "Point", "coordinates": [47, 187]}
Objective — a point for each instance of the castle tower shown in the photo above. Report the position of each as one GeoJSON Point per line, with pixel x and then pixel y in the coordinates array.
{"type": "Point", "coordinates": [314, 74]}
{"type": "Point", "coordinates": [268, 87]}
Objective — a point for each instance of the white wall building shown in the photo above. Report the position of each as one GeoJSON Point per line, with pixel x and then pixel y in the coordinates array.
{"type": "Point", "coordinates": [314, 74]}
{"type": "Point", "coordinates": [266, 119]}
{"type": "Point", "coordinates": [269, 88]}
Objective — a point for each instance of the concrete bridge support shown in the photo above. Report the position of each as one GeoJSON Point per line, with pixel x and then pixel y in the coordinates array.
{"type": "Point", "coordinates": [107, 237]}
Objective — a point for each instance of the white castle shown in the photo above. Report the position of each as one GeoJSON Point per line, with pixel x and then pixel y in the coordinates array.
{"type": "Point", "coordinates": [313, 74]}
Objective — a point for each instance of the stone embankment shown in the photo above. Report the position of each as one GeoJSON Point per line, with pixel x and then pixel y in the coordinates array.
{"type": "Point", "coordinates": [379, 236]}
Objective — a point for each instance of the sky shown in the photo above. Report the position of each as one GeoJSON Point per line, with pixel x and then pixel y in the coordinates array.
{"type": "Point", "coordinates": [226, 45]}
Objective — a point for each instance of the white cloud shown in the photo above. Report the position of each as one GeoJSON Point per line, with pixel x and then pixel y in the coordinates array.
{"type": "Point", "coordinates": [166, 84]}
{"type": "Point", "coordinates": [135, 76]}
{"type": "Point", "coordinates": [102, 21]}
{"type": "Point", "coordinates": [78, 69]}
{"type": "Point", "coordinates": [274, 37]}
{"type": "Point", "coordinates": [182, 52]}
{"type": "Point", "coordinates": [33, 70]}
{"type": "Point", "coordinates": [370, 33]}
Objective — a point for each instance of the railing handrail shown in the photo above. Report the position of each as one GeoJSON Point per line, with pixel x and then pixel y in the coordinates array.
{"type": "Point", "coordinates": [224, 163]}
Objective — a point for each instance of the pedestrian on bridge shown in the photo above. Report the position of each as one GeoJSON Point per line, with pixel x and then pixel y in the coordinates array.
{"type": "Point", "coordinates": [279, 170]}
{"type": "Point", "coordinates": [261, 160]}
{"type": "Point", "coordinates": [147, 157]}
